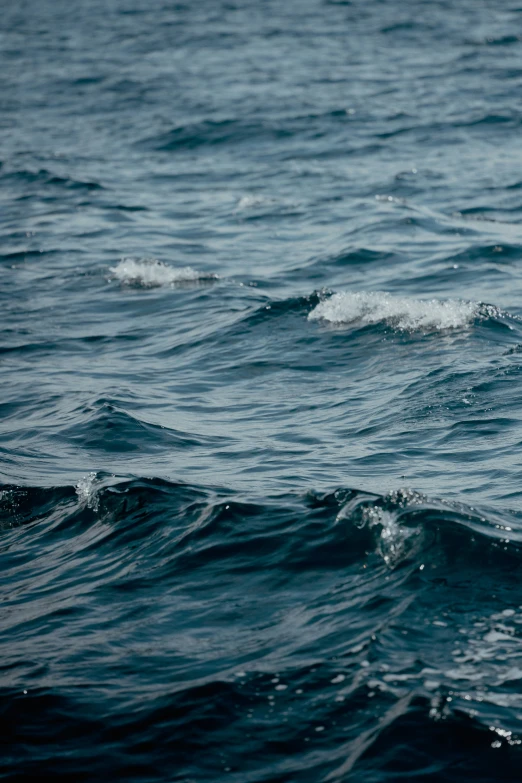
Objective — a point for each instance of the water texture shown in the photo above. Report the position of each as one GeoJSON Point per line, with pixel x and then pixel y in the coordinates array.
{"type": "Point", "coordinates": [261, 361]}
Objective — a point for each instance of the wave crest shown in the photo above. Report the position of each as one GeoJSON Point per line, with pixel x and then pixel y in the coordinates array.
{"type": "Point", "coordinates": [399, 312]}
{"type": "Point", "coordinates": [150, 273]}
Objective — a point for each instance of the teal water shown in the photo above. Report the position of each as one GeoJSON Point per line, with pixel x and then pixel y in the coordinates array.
{"type": "Point", "coordinates": [260, 504]}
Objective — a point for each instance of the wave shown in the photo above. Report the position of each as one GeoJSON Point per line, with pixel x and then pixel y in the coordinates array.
{"type": "Point", "coordinates": [338, 622]}
{"type": "Point", "coordinates": [105, 426]}
{"type": "Point", "coordinates": [401, 313]}
{"type": "Point", "coordinates": [24, 255]}
{"type": "Point", "coordinates": [150, 273]}
{"type": "Point", "coordinates": [213, 132]}
{"type": "Point", "coordinates": [474, 255]}
{"type": "Point", "coordinates": [48, 178]}
{"type": "Point", "coordinates": [398, 527]}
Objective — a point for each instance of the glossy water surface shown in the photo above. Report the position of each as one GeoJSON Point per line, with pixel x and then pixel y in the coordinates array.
{"type": "Point", "coordinates": [261, 360]}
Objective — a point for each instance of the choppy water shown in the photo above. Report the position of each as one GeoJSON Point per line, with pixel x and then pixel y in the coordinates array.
{"type": "Point", "coordinates": [261, 355]}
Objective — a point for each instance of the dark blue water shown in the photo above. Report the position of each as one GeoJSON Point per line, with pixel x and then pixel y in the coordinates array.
{"type": "Point", "coordinates": [261, 362]}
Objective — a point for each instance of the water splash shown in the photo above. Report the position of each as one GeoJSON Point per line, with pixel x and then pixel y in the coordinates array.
{"type": "Point", "coordinates": [399, 312]}
{"type": "Point", "coordinates": [86, 491]}
{"type": "Point", "coordinates": [395, 541]}
{"type": "Point", "coordinates": [150, 273]}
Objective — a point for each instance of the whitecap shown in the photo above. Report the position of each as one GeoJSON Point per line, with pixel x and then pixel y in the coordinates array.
{"type": "Point", "coordinates": [151, 273]}
{"type": "Point", "coordinates": [399, 312]}
{"type": "Point", "coordinates": [251, 201]}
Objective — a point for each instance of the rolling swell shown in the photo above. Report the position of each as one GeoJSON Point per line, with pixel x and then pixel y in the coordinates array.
{"type": "Point", "coordinates": [373, 606]}
{"type": "Point", "coordinates": [252, 253]}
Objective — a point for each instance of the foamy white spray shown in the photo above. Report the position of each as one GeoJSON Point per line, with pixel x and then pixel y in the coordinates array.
{"type": "Point", "coordinates": [86, 491]}
{"type": "Point", "coordinates": [251, 202]}
{"type": "Point", "coordinates": [399, 312]}
{"type": "Point", "coordinates": [151, 273]}
{"type": "Point", "coordinates": [395, 541]}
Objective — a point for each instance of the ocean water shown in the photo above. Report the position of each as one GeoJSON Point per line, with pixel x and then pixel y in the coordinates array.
{"type": "Point", "coordinates": [261, 363]}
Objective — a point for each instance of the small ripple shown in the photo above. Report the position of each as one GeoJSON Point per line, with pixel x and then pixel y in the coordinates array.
{"type": "Point", "coordinates": [212, 132]}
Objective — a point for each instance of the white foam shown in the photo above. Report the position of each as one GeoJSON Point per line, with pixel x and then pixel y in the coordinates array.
{"type": "Point", "coordinates": [396, 311]}
{"type": "Point", "coordinates": [151, 273]}
{"type": "Point", "coordinates": [251, 202]}
{"type": "Point", "coordinates": [396, 542]}
{"type": "Point", "coordinates": [86, 491]}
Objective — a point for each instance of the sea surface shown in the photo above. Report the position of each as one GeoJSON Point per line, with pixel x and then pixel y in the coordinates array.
{"type": "Point", "coordinates": [261, 391]}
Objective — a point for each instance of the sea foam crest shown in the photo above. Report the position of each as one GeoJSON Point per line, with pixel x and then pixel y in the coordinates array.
{"type": "Point", "coordinates": [395, 541]}
{"type": "Point", "coordinates": [86, 491]}
{"type": "Point", "coordinates": [397, 311]}
{"type": "Point", "coordinates": [151, 273]}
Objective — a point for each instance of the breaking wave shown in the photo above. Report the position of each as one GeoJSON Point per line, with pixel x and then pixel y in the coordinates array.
{"type": "Point", "coordinates": [401, 602]}
{"type": "Point", "coordinates": [150, 273]}
{"type": "Point", "coordinates": [399, 312]}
